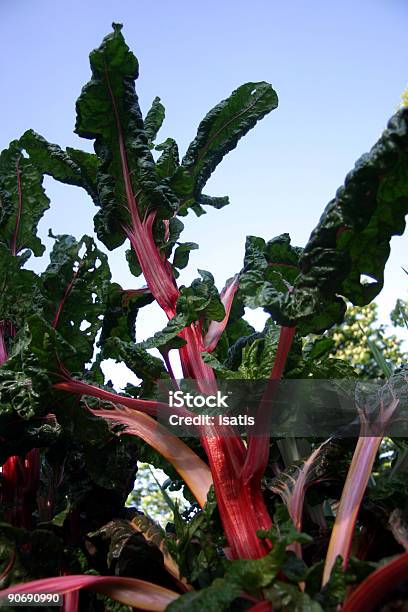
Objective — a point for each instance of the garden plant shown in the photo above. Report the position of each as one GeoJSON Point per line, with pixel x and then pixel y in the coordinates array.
{"type": "Point", "coordinates": [272, 523]}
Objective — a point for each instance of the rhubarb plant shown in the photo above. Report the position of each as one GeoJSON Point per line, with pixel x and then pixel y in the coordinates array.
{"type": "Point", "coordinates": [273, 522]}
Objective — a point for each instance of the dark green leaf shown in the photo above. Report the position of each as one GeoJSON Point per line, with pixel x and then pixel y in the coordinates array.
{"type": "Point", "coordinates": [22, 201]}
{"type": "Point", "coordinates": [220, 130]}
{"type": "Point", "coordinates": [154, 119]}
{"type": "Point", "coordinates": [108, 112]}
{"type": "Point", "coordinates": [73, 166]}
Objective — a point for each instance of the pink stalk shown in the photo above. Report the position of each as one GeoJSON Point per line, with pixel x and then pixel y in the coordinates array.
{"type": "Point", "coordinates": [158, 273]}
{"type": "Point", "coordinates": [3, 349]}
{"type": "Point", "coordinates": [216, 328]}
{"type": "Point", "coordinates": [147, 406]}
{"type": "Point", "coordinates": [258, 443]}
{"type": "Point", "coordinates": [64, 298]}
{"type": "Point", "coordinates": [293, 494]}
{"type": "Point", "coordinates": [129, 591]}
{"type": "Point", "coordinates": [354, 488]}
{"type": "Point", "coordinates": [242, 508]}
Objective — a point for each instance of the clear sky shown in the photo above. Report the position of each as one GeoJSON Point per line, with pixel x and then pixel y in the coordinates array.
{"type": "Point", "coordinates": [339, 69]}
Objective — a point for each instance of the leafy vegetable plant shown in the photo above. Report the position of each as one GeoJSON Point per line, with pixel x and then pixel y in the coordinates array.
{"type": "Point", "coordinates": [70, 443]}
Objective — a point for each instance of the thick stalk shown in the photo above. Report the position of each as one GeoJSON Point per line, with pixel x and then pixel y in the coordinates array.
{"type": "Point", "coordinates": [241, 507]}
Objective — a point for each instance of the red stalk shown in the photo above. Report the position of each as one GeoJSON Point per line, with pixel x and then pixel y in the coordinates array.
{"type": "Point", "coordinates": [378, 584]}
{"type": "Point", "coordinates": [3, 349]}
{"type": "Point", "coordinates": [129, 591]}
{"type": "Point", "coordinates": [242, 507]}
{"type": "Point", "coordinates": [216, 328]}
{"type": "Point", "coordinates": [20, 477]}
{"type": "Point", "coordinates": [258, 443]}
{"type": "Point", "coordinates": [261, 606]}
{"type": "Point", "coordinates": [147, 406]}
{"type": "Point", "coordinates": [158, 273]}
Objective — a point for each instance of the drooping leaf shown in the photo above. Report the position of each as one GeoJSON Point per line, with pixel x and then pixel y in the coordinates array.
{"type": "Point", "coordinates": [129, 553]}
{"type": "Point", "coordinates": [121, 311]}
{"type": "Point", "coordinates": [72, 166]}
{"type": "Point", "coordinates": [220, 131]}
{"type": "Point", "coordinates": [182, 254]}
{"type": "Point", "coordinates": [346, 253]}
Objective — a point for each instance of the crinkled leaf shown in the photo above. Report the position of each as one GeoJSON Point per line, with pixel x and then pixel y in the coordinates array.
{"type": "Point", "coordinates": [166, 335]}
{"type": "Point", "coordinates": [72, 166]}
{"type": "Point", "coordinates": [154, 119]}
{"type": "Point", "coordinates": [19, 290]}
{"type": "Point", "coordinates": [22, 201]}
{"type": "Point", "coordinates": [284, 596]}
{"type": "Point", "coordinates": [108, 112]}
{"type": "Point", "coordinates": [201, 300]}
{"type": "Point", "coordinates": [121, 311]}
{"type": "Point", "coordinates": [146, 367]}
{"type": "Point", "coordinates": [75, 288]}
{"type": "Point", "coordinates": [220, 130]}
{"type": "Point", "coordinates": [129, 553]}
{"type": "Point", "coordinates": [352, 240]}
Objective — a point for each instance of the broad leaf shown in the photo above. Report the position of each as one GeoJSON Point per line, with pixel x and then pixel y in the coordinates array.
{"type": "Point", "coordinates": [108, 112]}
{"type": "Point", "coordinates": [220, 131]}
{"type": "Point", "coordinates": [22, 201]}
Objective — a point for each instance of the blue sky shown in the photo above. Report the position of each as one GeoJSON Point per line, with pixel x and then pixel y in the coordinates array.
{"type": "Point", "coordinates": [339, 69]}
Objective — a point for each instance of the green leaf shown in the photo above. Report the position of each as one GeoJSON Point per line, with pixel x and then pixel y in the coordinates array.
{"type": "Point", "coordinates": [385, 368]}
{"type": "Point", "coordinates": [75, 289]}
{"type": "Point", "coordinates": [182, 254]}
{"type": "Point", "coordinates": [154, 119]}
{"type": "Point", "coordinates": [201, 300]}
{"type": "Point", "coordinates": [166, 335]}
{"type": "Point", "coordinates": [20, 293]}
{"type": "Point", "coordinates": [352, 240]}
{"type": "Point", "coordinates": [72, 166]}
{"type": "Point", "coordinates": [121, 311]}
{"type": "Point", "coordinates": [284, 596]}
{"type": "Point", "coordinates": [22, 201]}
{"type": "Point", "coordinates": [168, 162]}
{"type": "Point", "coordinates": [220, 130]}
{"type": "Point", "coordinates": [108, 112]}
{"type": "Point", "coordinates": [146, 367]}
{"type": "Point", "coordinates": [215, 597]}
